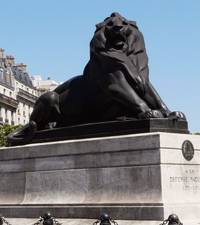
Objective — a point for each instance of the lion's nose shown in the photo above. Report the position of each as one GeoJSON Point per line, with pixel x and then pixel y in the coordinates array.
{"type": "Point", "coordinates": [117, 27]}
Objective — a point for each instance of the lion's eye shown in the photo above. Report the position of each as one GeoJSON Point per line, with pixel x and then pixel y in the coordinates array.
{"type": "Point", "coordinates": [125, 23]}
{"type": "Point", "coordinates": [110, 23]}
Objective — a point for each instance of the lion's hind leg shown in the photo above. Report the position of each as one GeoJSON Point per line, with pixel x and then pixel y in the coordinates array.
{"type": "Point", "coordinates": [46, 110]}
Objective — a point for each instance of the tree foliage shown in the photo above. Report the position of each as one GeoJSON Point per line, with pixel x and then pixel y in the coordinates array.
{"type": "Point", "coordinates": [4, 131]}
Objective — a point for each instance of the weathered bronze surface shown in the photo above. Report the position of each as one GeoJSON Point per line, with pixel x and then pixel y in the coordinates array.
{"type": "Point", "coordinates": [115, 83]}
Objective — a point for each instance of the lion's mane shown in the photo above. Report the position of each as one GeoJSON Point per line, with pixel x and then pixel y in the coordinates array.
{"type": "Point", "coordinates": [135, 49]}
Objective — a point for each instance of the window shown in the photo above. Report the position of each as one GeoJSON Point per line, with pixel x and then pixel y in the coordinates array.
{"type": "Point", "coordinates": [6, 115]}
{"type": "Point", "coordinates": [12, 116]}
{"type": "Point", "coordinates": [1, 73]}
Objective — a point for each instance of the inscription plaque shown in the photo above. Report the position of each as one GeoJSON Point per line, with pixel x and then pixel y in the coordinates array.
{"type": "Point", "coordinates": [187, 150]}
{"type": "Point", "coordinates": [188, 180]}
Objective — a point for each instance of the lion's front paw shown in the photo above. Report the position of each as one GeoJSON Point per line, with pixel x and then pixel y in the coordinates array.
{"type": "Point", "coordinates": [177, 115]}
{"type": "Point", "coordinates": [151, 114]}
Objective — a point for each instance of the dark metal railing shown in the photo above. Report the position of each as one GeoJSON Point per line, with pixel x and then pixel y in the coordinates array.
{"type": "Point", "coordinates": [104, 219]}
{"type": "Point", "coordinates": [26, 96]}
{"type": "Point", "coordinates": [173, 219]}
{"type": "Point", "coordinates": [8, 101]}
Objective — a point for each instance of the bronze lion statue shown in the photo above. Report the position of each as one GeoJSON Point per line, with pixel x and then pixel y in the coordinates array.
{"type": "Point", "coordinates": [115, 83]}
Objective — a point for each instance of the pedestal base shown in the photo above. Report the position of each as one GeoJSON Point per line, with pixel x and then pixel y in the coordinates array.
{"type": "Point", "coordinates": [131, 177]}
{"type": "Point", "coordinates": [103, 129]}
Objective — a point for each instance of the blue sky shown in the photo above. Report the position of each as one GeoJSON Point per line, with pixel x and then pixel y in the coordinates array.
{"type": "Point", "coordinates": [52, 37]}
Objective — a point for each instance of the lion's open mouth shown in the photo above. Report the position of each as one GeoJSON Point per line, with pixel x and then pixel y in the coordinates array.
{"type": "Point", "coordinates": [118, 44]}
{"type": "Point", "coordinates": [118, 41]}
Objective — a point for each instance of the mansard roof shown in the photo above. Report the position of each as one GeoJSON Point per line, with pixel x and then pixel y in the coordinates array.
{"type": "Point", "coordinates": [22, 76]}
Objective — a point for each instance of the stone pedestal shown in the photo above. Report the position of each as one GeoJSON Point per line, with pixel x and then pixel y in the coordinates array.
{"type": "Point", "coordinates": [131, 177]}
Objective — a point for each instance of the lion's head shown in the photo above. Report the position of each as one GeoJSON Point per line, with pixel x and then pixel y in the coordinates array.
{"type": "Point", "coordinates": [118, 33]}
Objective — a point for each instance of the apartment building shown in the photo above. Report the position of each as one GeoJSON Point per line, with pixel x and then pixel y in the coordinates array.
{"type": "Point", "coordinates": [17, 93]}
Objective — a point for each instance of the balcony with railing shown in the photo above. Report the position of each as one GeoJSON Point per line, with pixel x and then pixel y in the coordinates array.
{"type": "Point", "coordinates": [26, 96]}
{"type": "Point", "coordinates": [11, 102]}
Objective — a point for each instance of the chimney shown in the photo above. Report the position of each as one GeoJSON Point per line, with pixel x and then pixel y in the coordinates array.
{"type": "Point", "coordinates": [21, 67]}
{"type": "Point", "coordinates": [1, 53]}
{"type": "Point", "coordinates": [10, 60]}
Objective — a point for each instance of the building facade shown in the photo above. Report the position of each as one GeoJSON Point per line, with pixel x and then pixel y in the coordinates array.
{"type": "Point", "coordinates": [44, 85]}
{"type": "Point", "coordinates": [17, 93]}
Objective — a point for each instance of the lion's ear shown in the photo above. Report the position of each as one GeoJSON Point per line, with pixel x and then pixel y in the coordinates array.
{"type": "Point", "coordinates": [133, 23]}
{"type": "Point", "coordinates": [98, 41]}
{"type": "Point", "coordinates": [99, 26]}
